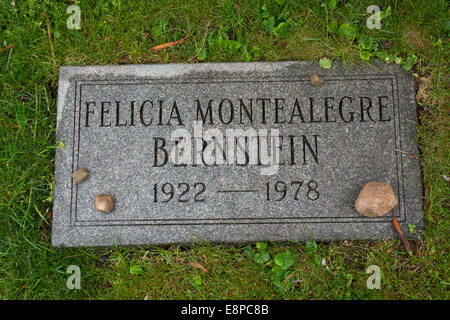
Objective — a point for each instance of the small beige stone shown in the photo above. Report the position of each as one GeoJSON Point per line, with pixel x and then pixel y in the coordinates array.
{"type": "Point", "coordinates": [316, 80]}
{"type": "Point", "coordinates": [376, 199]}
{"type": "Point", "coordinates": [80, 175]}
{"type": "Point", "coordinates": [104, 203]}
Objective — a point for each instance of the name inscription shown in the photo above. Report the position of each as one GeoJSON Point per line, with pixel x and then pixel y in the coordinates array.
{"type": "Point", "coordinates": [231, 112]}
{"type": "Point", "coordinates": [288, 138]}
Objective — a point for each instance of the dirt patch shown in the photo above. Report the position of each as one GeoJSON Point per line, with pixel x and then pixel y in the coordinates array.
{"type": "Point", "coordinates": [423, 85]}
{"type": "Point", "coordinates": [416, 39]}
{"type": "Point", "coordinates": [423, 96]}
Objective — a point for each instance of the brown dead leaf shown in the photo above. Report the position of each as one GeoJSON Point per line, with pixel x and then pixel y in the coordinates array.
{"type": "Point", "coordinates": [49, 214]}
{"type": "Point", "coordinates": [168, 44]}
{"type": "Point", "coordinates": [6, 48]}
{"type": "Point", "coordinates": [197, 265]}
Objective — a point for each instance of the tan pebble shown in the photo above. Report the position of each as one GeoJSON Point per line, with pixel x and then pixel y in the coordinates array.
{"type": "Point", "coordinates": [104, 202]}
{"type": "Point", "coordinates": [376, 199]}
{"type": "Point", "coordinates": [316, 80]}
{"type": "Point", "coordinates": [80, 175]}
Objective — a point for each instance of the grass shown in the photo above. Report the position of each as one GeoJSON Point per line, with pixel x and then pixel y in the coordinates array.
{"type": "Point", "coordinates": [122, 32]}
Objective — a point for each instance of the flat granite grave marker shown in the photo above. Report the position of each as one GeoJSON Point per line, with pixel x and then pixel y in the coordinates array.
{"type": "Point", "coordinates": [235, 152]}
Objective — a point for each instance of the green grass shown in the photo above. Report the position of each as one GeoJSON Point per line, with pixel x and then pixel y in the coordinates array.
{"type": "Point", "coordinates": [118, 31]}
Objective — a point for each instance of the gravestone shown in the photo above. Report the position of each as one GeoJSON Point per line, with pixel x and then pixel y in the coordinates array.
{"type": "Point", "coordinates": [232, 153]}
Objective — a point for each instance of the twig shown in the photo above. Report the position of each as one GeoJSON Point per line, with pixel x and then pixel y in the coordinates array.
{"type": "Point", "coordinates": [400, 234]}
{"type": "Point", "coordinates": [412, 156]}
{"type": "Point", "coordinates": [288, 277]}
{"type": "Point", "coordinates": [309, 11]}
{"type": "Point", "coordinates": [50, 40]}
{"type": "Point", "coordinates": [7, 47]}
